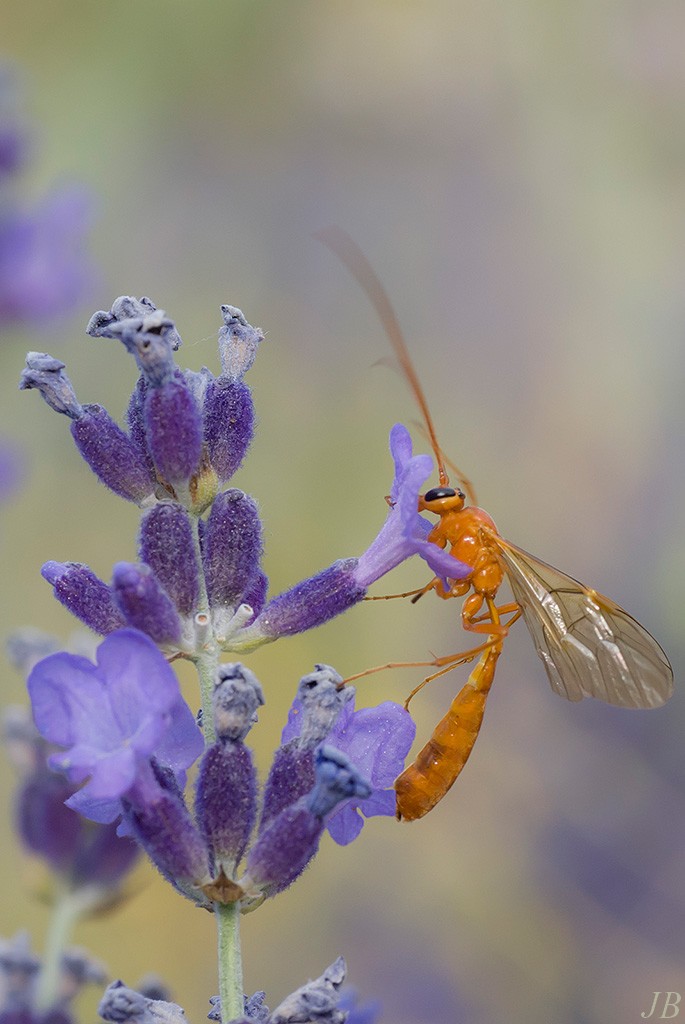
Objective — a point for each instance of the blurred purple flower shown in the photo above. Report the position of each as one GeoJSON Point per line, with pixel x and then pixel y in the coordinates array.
{"type": "Point", "coordinates": [367, 1013]}
{"type": "Point", "coordinates": [113, 717]}
{"type": "Point", "coordinates": [11, 469]}
{"type": "Point", "coordinates": [376, 741]}
{"type": "Point", "coordinates": [44, 271]}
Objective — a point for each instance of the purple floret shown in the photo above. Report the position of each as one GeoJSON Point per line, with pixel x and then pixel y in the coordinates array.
{"type": "Point", "coordinates": [112, 718]}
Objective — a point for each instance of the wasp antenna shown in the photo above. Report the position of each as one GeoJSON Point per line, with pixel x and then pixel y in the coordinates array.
{"type": "Point", "coordinates": [349, 253]}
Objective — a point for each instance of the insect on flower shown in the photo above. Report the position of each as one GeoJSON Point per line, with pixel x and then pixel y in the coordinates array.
{"type": "Point", "coordinates": [589, 645]}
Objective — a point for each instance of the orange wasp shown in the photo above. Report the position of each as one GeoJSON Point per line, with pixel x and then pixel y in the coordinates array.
{"type": "Point", "coordinates": [589, 645]}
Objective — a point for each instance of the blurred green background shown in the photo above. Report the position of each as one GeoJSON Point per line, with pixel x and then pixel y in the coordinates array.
{"type": "Point", "coordinates": [515, 172]}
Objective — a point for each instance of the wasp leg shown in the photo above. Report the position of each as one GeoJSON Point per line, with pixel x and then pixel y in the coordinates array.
{"type": "Point", "coordinates": [452, 661]}
{"type": "Point", "coordinates": [415, 594]}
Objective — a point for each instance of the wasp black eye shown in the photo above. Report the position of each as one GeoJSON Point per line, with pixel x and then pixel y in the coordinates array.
{"type": "Point", "coordinates": [439, 492]}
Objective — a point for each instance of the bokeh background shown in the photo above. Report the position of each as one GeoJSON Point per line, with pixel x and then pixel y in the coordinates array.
{"type": "Point", "coordinates": [516, 174]}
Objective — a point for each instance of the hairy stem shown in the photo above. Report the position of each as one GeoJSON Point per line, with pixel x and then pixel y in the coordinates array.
{"type": "Point", "coordinates": [230, 961]}
{"type": "Point", "coordinates": [69, 906]}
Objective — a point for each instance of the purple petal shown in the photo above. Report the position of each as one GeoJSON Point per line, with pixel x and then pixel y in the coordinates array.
{"type": "Point", "coordinates": [66, 697]}
{"type": "Point", "coordinates": [345, 825]}
{"type": "Point", "coordinates": [182, 743]}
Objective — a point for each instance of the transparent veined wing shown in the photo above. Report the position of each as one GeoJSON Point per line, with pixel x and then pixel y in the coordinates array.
{"type": "Point", "coordinates": [588, 644]}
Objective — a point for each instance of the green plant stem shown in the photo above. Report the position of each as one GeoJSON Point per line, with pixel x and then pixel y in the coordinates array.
{"type": "Point", "coordinates": [69, 906]}
{"type": "Point", "coordinates": [206, 665]}
{"type": "Point", "coordinates": [227, 915]}
{"type": "Point", "coordinates": [230, 961]}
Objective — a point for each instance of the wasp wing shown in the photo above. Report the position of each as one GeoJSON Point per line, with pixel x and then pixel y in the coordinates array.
{"type": "Point", "coordinates": [588, 644]}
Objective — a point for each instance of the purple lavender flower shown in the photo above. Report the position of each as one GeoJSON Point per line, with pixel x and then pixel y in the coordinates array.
{"type": "Point", "coordinates": [377, 741]}
{"type": "Point", "coordinates": [404, 532]}
{"type": "Point", "coordinates": [113, 717]}
{"type": "Point", "coordinates": [88, 857]}
{"type": "Point", "coordinates": [228, 409]}
{"type": "Point", "coordinates": [44, 272]}
{"type": "Point", "coordinates": [165, 543]}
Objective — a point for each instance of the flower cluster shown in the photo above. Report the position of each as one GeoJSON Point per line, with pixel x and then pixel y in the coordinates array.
{"type": "Point", "coordinates": [128, 737]}
{"type": "Point", "coordinates": [199, 572]}
{"type": "Point", "coordinates": [43, 270]}
{"type": "Point", "coordinates": [119, 732]}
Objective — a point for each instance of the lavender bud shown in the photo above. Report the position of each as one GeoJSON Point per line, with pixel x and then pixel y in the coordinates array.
{"type": "Point", "coordinates": [255, 593]}
{"type": "Point", "coordinates": [226, 802]}
{"type": "Point", "coordinates": [45, 825]}
{"type": "Point", "coordinates": [112, 455]}
{"type": "Point", "coordinates": [283, 850]}
{"type": "Point", "coordinates": [144, 603]}
{"type": "Point", "coordinates": [120, 1003]}
{"type": "Point", "coordinates": [238, 343]}
{"type": "Point", "coordinates": [165, 543]}
{"type": "Point", "coordinates": [318, 704]}
{"type": "Point", "coordinates": [232, 546]}
{"type": "Point", "coordinates": [173, 425]}
{"type": "Point", "coordinates": [85, 595]}
{"type": "Point", "coordinates": [287, 844]}
{"type": "Point", "coordinates": [226, 796]}
{"type": "Point", "coordinates": [306, 605]}
{"type": "Point", "coordinates": [237, 695]}
{"type": "Point", "coordinates": [156, 813]}
{"type": "Point", "coordinates": [44, 373]}
{"type": "Point", "coordinates": [315, 1001]}
{"type": "Point", "coordinates": [228, 424]}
